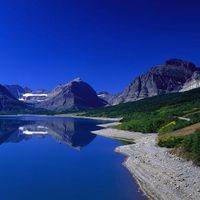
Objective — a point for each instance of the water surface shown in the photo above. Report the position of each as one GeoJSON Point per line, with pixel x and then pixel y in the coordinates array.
{"type": "Point", "coordinates": [59, 158]}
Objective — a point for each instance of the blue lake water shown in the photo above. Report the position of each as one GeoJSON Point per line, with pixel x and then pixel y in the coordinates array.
{"type": "Point", "coordinates": [60, 159]}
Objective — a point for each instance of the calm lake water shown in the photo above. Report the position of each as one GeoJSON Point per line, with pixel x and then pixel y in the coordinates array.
{"type": "Point", "coordinates": [60, 159]}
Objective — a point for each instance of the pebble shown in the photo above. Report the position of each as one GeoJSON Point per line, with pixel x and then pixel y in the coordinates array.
{"type": "Point", "coordinates": [165, 175]}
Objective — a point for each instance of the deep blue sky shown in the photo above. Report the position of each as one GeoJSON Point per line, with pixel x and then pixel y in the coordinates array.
{"type": "Point", "coordinates": [105, 42]}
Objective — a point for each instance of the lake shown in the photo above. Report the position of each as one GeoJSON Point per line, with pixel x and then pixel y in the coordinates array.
{"type": "Point", "coordinates": [58, 158]}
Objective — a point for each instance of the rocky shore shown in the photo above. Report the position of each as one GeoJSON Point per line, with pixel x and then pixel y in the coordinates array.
{"type": "Point", "coordinates": [159, 174]}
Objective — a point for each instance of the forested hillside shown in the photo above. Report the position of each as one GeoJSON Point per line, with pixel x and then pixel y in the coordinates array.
{"type": "Point", "coordinates": [156, 114]}
{"type": "Point", "coordinates": [162, 114]}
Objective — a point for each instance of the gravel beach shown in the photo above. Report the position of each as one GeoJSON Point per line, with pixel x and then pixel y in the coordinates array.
{"type": "Point", "coordinates": [160, 175]}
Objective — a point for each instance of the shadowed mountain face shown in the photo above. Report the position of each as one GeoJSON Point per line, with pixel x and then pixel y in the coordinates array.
{"type": "Point", "coordinates": [11, 105]}
{"type": "Point", "coordinates": [74, 133]}
{"type": "Point", "coordinates": [107, 97]}
{"type": "Point", "coordinates": [75, 95]}
{"type": "Point", "coordinates": [193, 82]}
{"type": "Point", "coordinates": [16, 90]}
{"type": "Point", "coordinates": [166, 78]}
{"type": "Point", "coordinates": [72, 96]}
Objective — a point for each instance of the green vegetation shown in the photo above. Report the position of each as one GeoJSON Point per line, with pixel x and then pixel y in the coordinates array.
{"type": "Point", "coordinates": [125, 142]}
{"type": "Point", "coordinates": [187, 146]}
{"type": "Point", "coordinates": [10, 106]}
{"type": "Point", "coordinates": [156, 114]}
{"type": "Point", "coordinates": [171, 142]}
{"type": "Point", "coordinates": [160, 115]}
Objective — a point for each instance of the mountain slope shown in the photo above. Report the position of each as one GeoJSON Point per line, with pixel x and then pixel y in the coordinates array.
{"type": "Point", "coordinates": [155, 114]}
{"type": "Point", "coordinates": [166, 78]}
{"type": "Point", "coordinates": [10, 105]}
{"type": "Point", "coordinates": [192, 83]}
{"type": "Point", "coordinates": [16, 90]}
{"type": "Point", "coordinates": [75, 95]}
{"type": "Point", "coordinates": [107, 97]}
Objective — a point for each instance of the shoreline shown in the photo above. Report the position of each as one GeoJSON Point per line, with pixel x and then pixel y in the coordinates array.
{"type": "Point", "coordinates": [159, 174]}
{"type": "Point", "coordinates": [109, 120]}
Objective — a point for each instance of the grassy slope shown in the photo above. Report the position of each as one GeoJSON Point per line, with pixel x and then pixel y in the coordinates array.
{"type": "Point", "coordinates": [160, 114]}
{"type": "Point", "coordinates": [156, 114]}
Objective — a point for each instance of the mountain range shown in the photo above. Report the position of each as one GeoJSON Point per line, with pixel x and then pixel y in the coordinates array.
{"type": "Point", "coordinates": [174, 75]}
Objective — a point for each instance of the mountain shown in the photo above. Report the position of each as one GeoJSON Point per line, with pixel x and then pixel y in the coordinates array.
{"type": "Point", "coordinates": [172, 76]}
{"type": "Point", "coordinates": [11, 105]}
{"type": "Point", "coordinates": [74, 95]}
{"type": "Point", "coordinates": [192, 83]}
{"type": "Point", "coordinates": [107, 97]}
{"type": "Point", "coordinates": [34, 97]}
{"type": "Point", "coordinates": [26, 94]}
{"type": "Point", "coordinates": [15, 90]}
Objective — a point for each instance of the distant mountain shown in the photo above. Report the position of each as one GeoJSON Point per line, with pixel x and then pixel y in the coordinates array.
{"type": "Point", "coordinates": [34, 97]}
{"type": "Point", "coordinates": [16, 90]}
{"type": "Point", "coordinates": [107, 97]}
{"type": "Point", "coordinates": [26, 94]}
{"type": "Point", "coordinates": [74, 95]}
{"type": "Point", "coordinates": [11, 105]}
{"type": "Point", "coordinates": [173, 76]}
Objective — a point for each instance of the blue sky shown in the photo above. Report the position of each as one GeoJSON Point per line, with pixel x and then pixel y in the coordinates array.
{"type": "Point", "coordinates": [107, 43]}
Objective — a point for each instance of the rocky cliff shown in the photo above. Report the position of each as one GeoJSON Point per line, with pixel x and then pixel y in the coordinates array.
{"type": "Point", "coordinates": [17, 91]}
{"type": "Point", "coordinates": [107, 97]}
{"type": "Point", "coordinates": [75, 95]}
{"type": "Point", "coordinates": [26, 94]}
{"type": "Point", "coordinates": [166, 78]}
{"type": "Point", "coordinates": [192, 83]}
{"type": "Point", "coordinates": [11, 105]}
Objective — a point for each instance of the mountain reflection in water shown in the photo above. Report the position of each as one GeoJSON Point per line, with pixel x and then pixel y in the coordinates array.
{"type": "Point", "coordinates": [70, 131]}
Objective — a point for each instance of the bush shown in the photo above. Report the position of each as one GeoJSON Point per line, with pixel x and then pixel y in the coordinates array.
{"type": "Point", "coordinates": [171, 141]}
{"type": "Point", "coordinates": [190, 144]}
{"type": "Point", "coordinates": [187, 142]}
{"type": "Point", "coordinates": [196, 142]}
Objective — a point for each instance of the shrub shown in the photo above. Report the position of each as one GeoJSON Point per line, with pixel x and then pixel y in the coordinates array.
{"type": "Point", "coordinates": [187, 142]}
{"type": "Point", "coordinates": [171, 141]}
{"type": "Point", "coordinates": [190, 144]}
{"type": "Point", "coordinates": [196, 142]}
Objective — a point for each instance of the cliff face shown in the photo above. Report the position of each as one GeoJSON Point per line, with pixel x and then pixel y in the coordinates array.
{"type": "Point", "coordinates": [166, 78]}
{"type": "Point", "coordinates": [192, 83]}
{"type": "Point", "coordinates": [75, 95]}
{"type": "Point", "coordinates": [11, 105]}
{"type": "Point", "coordinates": [16, 90]}
{"type": "Point", "coordinates": [109, 98]}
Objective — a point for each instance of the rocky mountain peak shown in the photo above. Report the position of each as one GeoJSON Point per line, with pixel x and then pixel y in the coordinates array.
{"type": "Point", "coordinates": [166, 78]}
{"type": "Point", "coordinates": [181, 63]}
{"type": "Point", "coordinates": [77, 80]}
{"type": "Point", "coordinates": [74, 95]}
